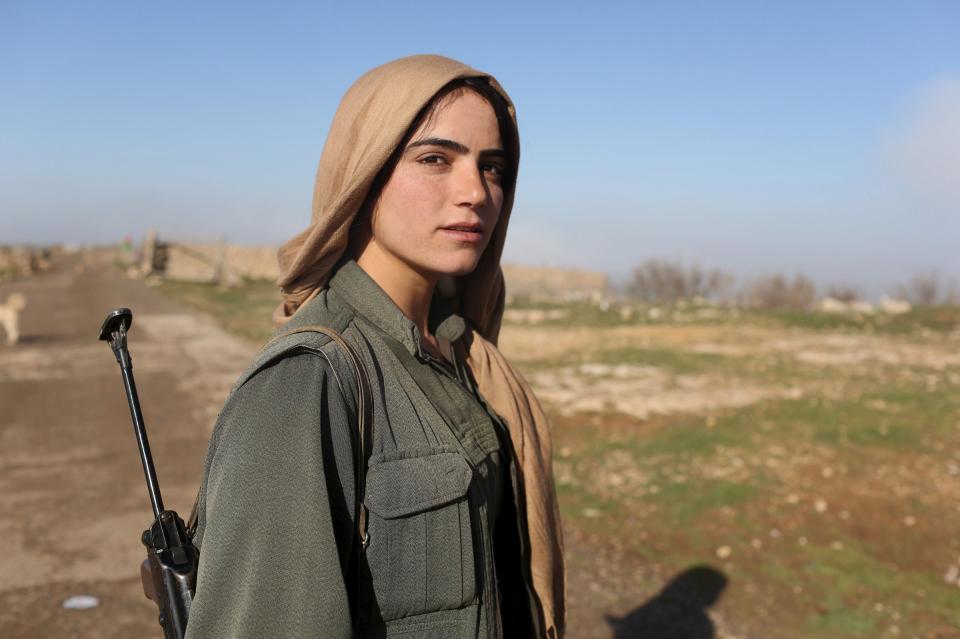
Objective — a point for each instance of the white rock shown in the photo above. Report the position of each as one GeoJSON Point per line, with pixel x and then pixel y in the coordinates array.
{"type": "Point", "coordinates": [894, 306]}
{"type": "Point", "coordinates": [833, 305]}
{"type": "Point", "coordinates": [81, 602]}
{"type": "Point", "coordinates": [859, 306]}
{"type": "Point", "coordinates": [952, 574]}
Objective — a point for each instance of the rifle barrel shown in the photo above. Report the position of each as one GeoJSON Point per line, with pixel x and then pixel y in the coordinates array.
{"type": "Point", "coordinates": [153, 487]}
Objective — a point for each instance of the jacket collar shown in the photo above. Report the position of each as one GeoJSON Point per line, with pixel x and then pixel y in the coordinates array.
{"type": "Point", "coordinates": [352, 284]}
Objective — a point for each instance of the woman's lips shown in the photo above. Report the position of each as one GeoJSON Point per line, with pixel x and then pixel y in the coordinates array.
{"type": "Point", "coordinates": [463, 233]}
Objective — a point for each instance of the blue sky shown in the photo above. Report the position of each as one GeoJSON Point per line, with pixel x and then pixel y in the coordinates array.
{"type": "Point", "coordinates": [758, 137]}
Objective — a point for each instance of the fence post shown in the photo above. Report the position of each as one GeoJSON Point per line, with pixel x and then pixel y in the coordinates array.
{"type": "Point", "coordinates": [149, 252]}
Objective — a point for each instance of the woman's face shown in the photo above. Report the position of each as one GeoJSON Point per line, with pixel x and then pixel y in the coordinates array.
{"type": "Point", "coordinates": [438, 209]}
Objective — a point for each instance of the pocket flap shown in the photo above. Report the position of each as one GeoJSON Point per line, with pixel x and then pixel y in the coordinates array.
{"type": "Point", "coordinates": [403, 487]}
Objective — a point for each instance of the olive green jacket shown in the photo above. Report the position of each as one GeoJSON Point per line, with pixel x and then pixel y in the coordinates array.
{"type": "Point", "coordinates": [278, 556]}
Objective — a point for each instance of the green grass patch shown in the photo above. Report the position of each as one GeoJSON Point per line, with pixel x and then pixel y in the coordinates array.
{"type": "Point", "coordinates": [837, 621]}
{"type": "Point", "coordinates": [816, 321]}
{"type": "Point", "coordinates": [243, 311]}
{"type": "Point", "coordinates": [573, 314]}
{"type": "Point", "coordinates": [676, 361]}
{"type": "Point", "coordinates": [683, 504]}
{"type": "Point", "coordinates": [904, 421]}
{"type": "Point", "coordinates": [938, 319]}
{"type": "Point", "coordinates": [919, 320]}
{"type": "Point", "coordinates": [691, 437]}
{"type": "Point", "coordinates": [899, 418]}
{"type": "Point", "coordinates": [820, 590]}
{"type": "Point", "coordinates": [847, 585]}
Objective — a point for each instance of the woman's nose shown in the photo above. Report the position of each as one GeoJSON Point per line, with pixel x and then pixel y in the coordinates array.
{"type": "Point", "coordinates": [471, 189]}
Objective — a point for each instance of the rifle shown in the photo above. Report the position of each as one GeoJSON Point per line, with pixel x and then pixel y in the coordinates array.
{"type": "Point", "coordinates": [169, 573]}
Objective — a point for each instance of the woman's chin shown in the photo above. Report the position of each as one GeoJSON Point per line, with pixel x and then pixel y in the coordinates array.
{"type": "Point", "coordinates": [457, 265]}
{"type": "Point", "coordinates": [464, 269]}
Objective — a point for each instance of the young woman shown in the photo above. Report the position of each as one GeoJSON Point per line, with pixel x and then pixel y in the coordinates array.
{"type": "Point", "coordinates": [459, 532]}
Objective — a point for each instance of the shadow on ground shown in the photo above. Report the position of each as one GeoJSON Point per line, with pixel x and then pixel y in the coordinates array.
{"type": "Point", "coordinates": [679, 611]}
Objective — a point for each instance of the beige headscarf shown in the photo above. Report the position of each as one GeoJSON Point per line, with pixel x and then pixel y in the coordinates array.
{"type": "Point", "coordinates": [369, 124]}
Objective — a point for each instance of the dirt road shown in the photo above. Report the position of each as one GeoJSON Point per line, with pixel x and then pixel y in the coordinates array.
{"type": "Point", "coordinates": [72, 493]}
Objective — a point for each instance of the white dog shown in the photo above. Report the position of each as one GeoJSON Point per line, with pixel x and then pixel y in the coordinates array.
{"type": "Point", "coordinates": [10, 316]}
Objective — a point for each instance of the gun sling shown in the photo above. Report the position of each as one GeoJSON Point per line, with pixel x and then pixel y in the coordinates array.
{"type": "Point", "coordinates": [364, 435]}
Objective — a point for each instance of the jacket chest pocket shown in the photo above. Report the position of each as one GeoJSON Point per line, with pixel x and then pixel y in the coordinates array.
{"type": "Point", "coordinates": [421, 551]}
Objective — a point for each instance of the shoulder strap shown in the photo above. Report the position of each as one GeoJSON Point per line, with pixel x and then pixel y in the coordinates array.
{"type": "Point", "coordinates": [364, 423]}
{"type": "Point", "coordinates": [364, 419]}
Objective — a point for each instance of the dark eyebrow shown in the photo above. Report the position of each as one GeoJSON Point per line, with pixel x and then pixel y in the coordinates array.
{"type": "Point", "coordinates": [497, 153]}
{"type": "Point", "coordinates": [441, 142]}
{"type": "Point", "coordinates": [456, 147]}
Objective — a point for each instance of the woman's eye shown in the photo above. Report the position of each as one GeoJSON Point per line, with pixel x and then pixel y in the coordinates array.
{"type": "Point", "coordinates": [433, 160]}
{"type": "Point", "coordinates": [493, 169]}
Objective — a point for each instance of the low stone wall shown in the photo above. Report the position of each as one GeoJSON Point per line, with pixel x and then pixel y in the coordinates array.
{"type": "Point", "coordinates": [232, 263]}
{"type": "Point", "coordinates": [217, 262]}
{"type": "Point", "coordinates": [213, 262]}
{"type": "Point", "coordinates": [255, 262]}
{"type": "Point", "coordinates": [16, 261]}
